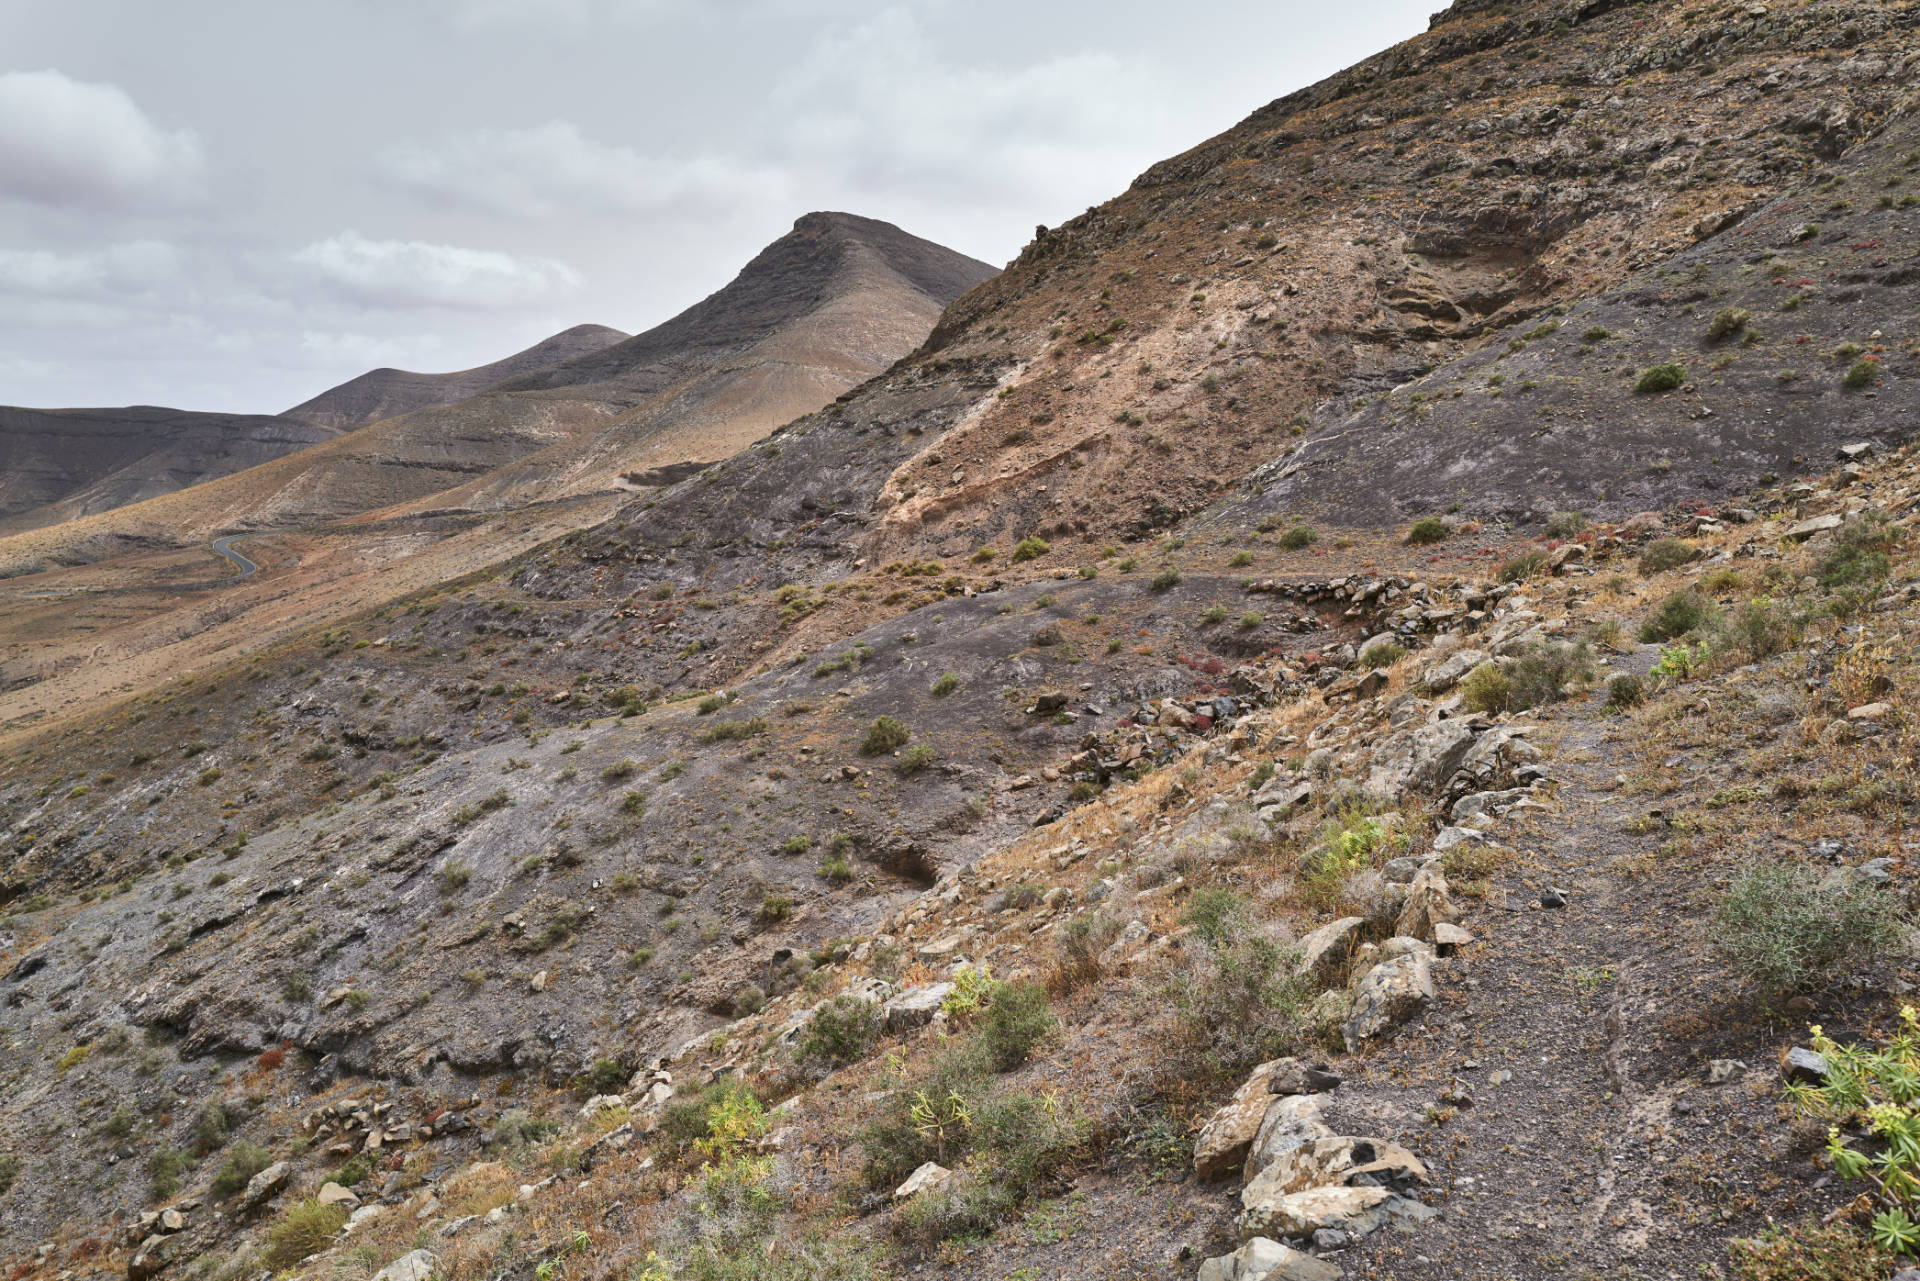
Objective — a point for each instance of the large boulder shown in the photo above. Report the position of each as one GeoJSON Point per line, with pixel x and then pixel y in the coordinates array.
{"type": "Point", "coordinates": [1221, 1147]}
{"type": "Point", "coordinates": [415, 1265]}
{"type": "Point", "coordinates": [1262, 1259]}
{"type": "Point", "coordinates": [1334, 1160]}
{"type": "Point", "coordinates": [153, 1254]}
{"type": "Point", "coordinates": [1324, 952]}
{"type": "Point", "coordinates": [1391, 993]}
{"type": "Point", "coordinates": [1426, 907]}
{"type": "Point", "coordinates": [1417, 760]}
{"type": "Point", "coordinates": [915, 1007]}
{"type": "Point", "coordinates": [1300, 1214]}
{"type": "Point", "coordinates": [1291, 1122]}
{"type": "Point", "coordinates": [1453, 669]}
{"type": "Point", "coordinates": [264, 1186]}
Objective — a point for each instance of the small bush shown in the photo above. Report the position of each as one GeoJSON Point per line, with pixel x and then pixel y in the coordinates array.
{"type": "Point", "coordinates": [749, 1000]}
{"type": "Point", "coordinates": [1486, 689]}
{"type": "Point", "coordinates": [775, 907]}
{"type": "Point", "coordinates": [304, 1230]}
{"type": "Point", "coordinates": [710, 704]}
{"type": "Point", "coordinates": [1862, 373]}
{"type": "Point", "coordinates": [1626, 691]}
{"type": "Point", "coordinates": [835, 870]}
{"type": "Point", "coordinates": [210, 1129]}
{"type": "Point", "coordinates": [914, 760]}
{"type": "Point", "coordinates": [1565, 524]}
{"type": "Point", "coordinates": [1762, 629]}
{"type": "Point", "coordinates": [841, 1030]}
{"type": "Point", "coordinates": [1811, 1251]}
{"type": "Point", "coordinates": [945, 685]}
{"type": "Point", "coordinates": [1664, 554]}
{"type": "Point", "coordinates": [1300, 536]}
{"type": "Point", "coordinates": [794, 846]}
{"type": "Point", "coordinates": [1075, 958]}
{"type": "Point", "coordinates": [634, 803]}
{"type": "Point", "coordinates": [454, 877]}
{"type": "Point", "coordinates": [1238, 1002]}
{"type": "Point", "coordinates": [1428, 531]}
{"type": "Point", "coordinates": [165, 1167]}
{"type": "Point", "coordinates": [1165, 579]}
{"type": "Point", "coordinates": [1661, 378]}
{"type": "Point", "coordinates": [1384, 655]}
{"type": "Point", "coordinates": [1782, 926]}
{"type": "Point", "coordinates": [618, 772]}
{"type": "Point", "coordinates": [1678, 615]}
{"type": "Point", "coordinates": [1539, 674]}
{"type": "Point", "coordinates": [244, 1160]}
{"type": "Point", "coordinates": [734, 731]}
{"type": "Point", "coordinates": [1030, 548]}
{"type": "Point", "coordinates": [1524, 566]}
{"type": "Point", "coordinates": [1858, 557]}
{"type": "Point", "coordinates": [1727, 322]}
{"type": "Point", "coordinates": [884, 735]}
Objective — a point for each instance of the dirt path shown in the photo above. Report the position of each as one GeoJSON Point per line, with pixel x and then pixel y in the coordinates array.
{"type": "Point", "coordinates": [1567, 1061]}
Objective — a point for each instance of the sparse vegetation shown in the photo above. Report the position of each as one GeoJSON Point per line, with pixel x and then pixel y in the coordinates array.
{"type": "Point", "coordinates": [885, 735]}
{"type": "Point", "coordinates": [1785, 927]}
{"type": "Point", "coordinates": [1659, 378]}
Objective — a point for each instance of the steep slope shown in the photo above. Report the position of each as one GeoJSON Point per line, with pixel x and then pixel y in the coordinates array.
{"type": "Point", "coordinates": [385, 393]}
{"type": "Point", "coordinates": [998, 662]}
{"type": "Point", "coordinates": [60, 464]}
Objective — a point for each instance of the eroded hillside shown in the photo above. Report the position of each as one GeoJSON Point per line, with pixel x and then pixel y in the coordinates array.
{"type": "Point", "coordinates": [1027, 817]}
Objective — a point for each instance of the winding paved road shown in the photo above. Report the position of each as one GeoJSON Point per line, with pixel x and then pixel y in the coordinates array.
{"type": "Point", "coordinates": [225, 547]}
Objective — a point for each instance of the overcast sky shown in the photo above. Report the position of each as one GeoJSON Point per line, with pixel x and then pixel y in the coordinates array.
{"type": "Point", "coordinates": [231, 204]}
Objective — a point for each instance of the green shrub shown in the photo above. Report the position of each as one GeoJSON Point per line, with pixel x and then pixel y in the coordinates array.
{"type": "Point", "coordinates": [1678, 615]}
{"type": "Point", "coordinates": [733, 731]}
{"type": "Point", "coordinates": [1383, 655]}
{"type": "Point", "coordinates": [1237, 1002]}
{"type": "Point", "coordinates": [1030, 548]}
{"type": "Point", "coordinates": [841, 1030]}
{"type": "Point", "coordinates": [1241, 559]}
{"type": "Point", "coordinates": [1781, 926]}
{"type": "Point", "coordinates": [835, 870]}
{"type": "Point", "coordinates": [1165, 579]}
{"type": "Point", "coordinates": [1727, 322]}
{"type": "Point", "coordinates": [1074, 959]}
{"type": "Point", "coordinates": [774, 907]}
{"type": "Point", "coordinates": [305, 1229]}
{"type": "Point", "coordinates": [1486, 689]}
{"type": "Point", "coordinates": [1810, 1251]}
{"type": "Point", "coordinates": [1660, 378]}
{"type": "Point", "coordinates": [796, 845]}
{"type": "Point", "coordinates": [1300, 536]}
{"type": "Point", "coordinates": [210, 1129]}
{"type": "Point", "coordinates": [1017, 1020]}
{"type": "Point", "coordinates": [1626, 691]}
{"type": "Point", "coordinates": [914, 760]}
{"type": "Point", "coordinates": [1540, 673]}
{"type": "Point", "coordinates": [1524, 566]}
{"type": "Point", "coordinates": [165, 1167]}
{"type": "Point", "coordinates": [634, 803]}
{"type": "Point", "coordinates": [1663, 554]}
{"type": "Point", "coordinates": [1430, 530]}
{"type": "Point", "coordinates": [1565, 524]}
{"type": "Point", "coordinates": [710, 704]}
{"type": "Point", "coordinates": [454, 877]}
{"type": "Point", "coordinates": [1858, 557]}
{"type": "Point", "coordinates": [945, 685]}
{"type": "Point", "coordinates": [884, 735]}
{"type": "Point", "coordinates": [1213, 614]}
{"type": "Point", "coordinates": [1762, 629]}
{"type": "Point", "coordinates": [618, 772]}
{"type": "Point", "coordinates": [750, 999]}
{"type": "Point", "coordinates": [244, 1160]}
{"type": "Point", "coordinates": [1862, 373]}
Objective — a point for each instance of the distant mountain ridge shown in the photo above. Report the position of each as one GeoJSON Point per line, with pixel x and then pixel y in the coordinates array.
{"type": "Point", "coordinates": [61, 464]}
{"type": "Point", "coordinates": [385, 393]}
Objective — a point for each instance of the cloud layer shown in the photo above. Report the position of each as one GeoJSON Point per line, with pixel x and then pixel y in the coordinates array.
{"type": "Point", "coordinates": [68, 142]}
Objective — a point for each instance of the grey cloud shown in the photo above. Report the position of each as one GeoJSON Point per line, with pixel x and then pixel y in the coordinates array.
{"type": "Point", "coordinates": [413, 274]}
{"type": "Point", "coordinates": [69, 142]}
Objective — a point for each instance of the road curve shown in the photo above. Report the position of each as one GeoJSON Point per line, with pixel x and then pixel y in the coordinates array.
{"type": "Point", "coordinates": [225, 547]}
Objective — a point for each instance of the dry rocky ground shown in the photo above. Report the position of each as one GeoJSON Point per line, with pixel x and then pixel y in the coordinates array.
{"type": "Point", "coordinates": [1035, 817]}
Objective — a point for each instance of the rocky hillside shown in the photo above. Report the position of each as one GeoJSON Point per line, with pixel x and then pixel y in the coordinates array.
{"type": "Point", "coordinates": [1077, 804]}
{"type": "Point", "coordinates": [386, 393]}
{"type": "Point", "coordinates": [61, 464]}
